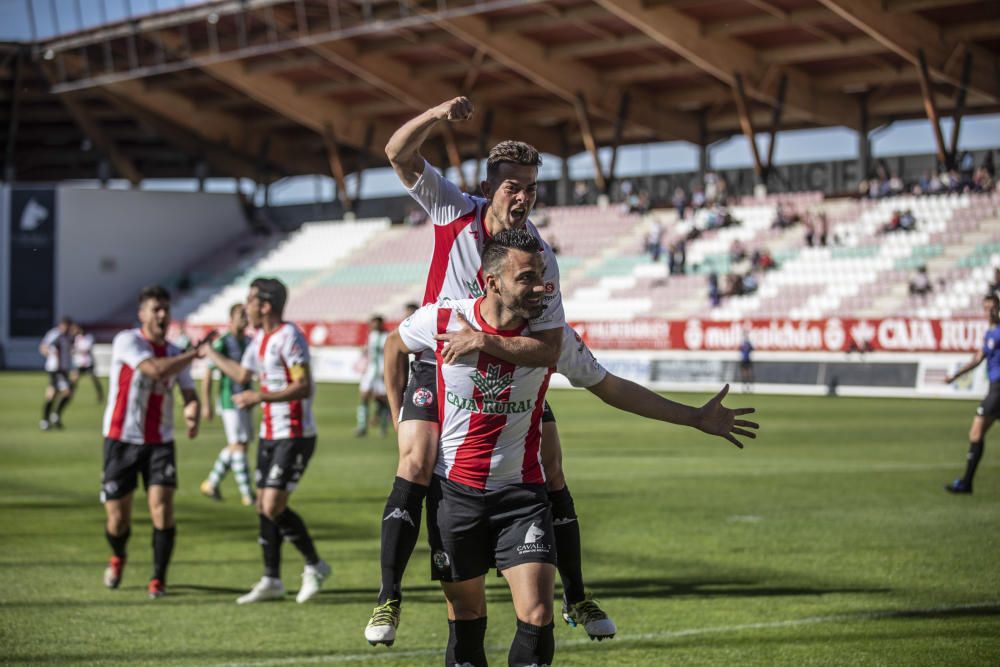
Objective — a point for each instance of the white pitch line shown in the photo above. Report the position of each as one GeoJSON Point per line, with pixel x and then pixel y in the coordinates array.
{"type": "Point", "coordinates": [380, 653]}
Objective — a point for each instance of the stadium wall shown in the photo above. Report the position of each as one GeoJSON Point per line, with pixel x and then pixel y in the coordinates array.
{"type": "Point", "coordinates": [109, 243]}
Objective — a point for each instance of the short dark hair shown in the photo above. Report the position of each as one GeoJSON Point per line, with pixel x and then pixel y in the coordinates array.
{"type": "Point", "coordinates": [233, 308]}
{"type": "Point", "coordinates": [158, 292]}
{"type": "Point", "coordinates": [496, 248]}
{"type": "Point", "coordinates": [514, 152]}
{"type": "Point", "coordinates": [67, 320]}
{"type": "Point", "coordinates": [992, 297]}
{"type": "Point", "coordinates": [273, 291]}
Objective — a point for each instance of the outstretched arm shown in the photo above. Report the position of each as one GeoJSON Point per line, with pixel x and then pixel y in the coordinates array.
{"type": "Point", "coordinates": [403, 149]}
{"type": "Point", "coordinates": [712, 418]}
{"type": "Point", "coordinates": [977, 359]}
{"type": "Point", "coordinates": [157, 368]}
{"type": "Point", "coordinates": [237, 372]}
{"type": "Point", "coordinates": [540, 350]}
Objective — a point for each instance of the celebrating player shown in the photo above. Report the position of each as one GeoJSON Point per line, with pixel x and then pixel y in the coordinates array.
{"type": "Point", "coordinates": [372, 386]}
{"type": "Point", "coordinates": [488, 504]}
{"type": "Point", "coordinates": [279, 356]}
{"type": "Point", "coordinates": [989, 409]}
{"type": "Point", "coordinates": [462, 224]}
{"type": "Point", "coordinates": [139, 433]}
{"type": "Point", "coordinates": [57, 348]}
{"type": "Point", "coordinates": [235, 421]}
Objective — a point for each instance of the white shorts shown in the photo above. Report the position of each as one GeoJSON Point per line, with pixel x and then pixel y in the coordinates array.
{"type": "Point", "coordinates": [236, 424]}
{"type": "Point", "coordinates": [374, 383]}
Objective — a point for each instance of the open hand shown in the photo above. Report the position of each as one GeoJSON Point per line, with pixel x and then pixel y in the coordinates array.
{"type": "Point", "coordinates": [246, 399]}
{"type": "Point", "coordinates": [461, 342]}
{"type": "Point", "coordinates": [716, 419]}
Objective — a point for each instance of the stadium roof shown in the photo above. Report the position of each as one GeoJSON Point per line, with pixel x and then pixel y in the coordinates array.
{"type": "Point", "coordinates": [270, 88]}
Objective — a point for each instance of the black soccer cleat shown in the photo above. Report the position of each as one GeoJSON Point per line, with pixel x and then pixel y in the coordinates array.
{"type": "Point", "coordinates": [959, 486]}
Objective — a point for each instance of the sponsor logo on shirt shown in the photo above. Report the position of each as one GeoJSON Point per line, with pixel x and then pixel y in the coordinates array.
{"type": "Point", "coordinates": [475, 290]}
{"type": "Point", "coordinates": [491, 385]}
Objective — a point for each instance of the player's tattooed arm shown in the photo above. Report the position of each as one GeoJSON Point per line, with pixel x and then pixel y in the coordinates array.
{"type": "Point", "coordinates": [977, 359]}
{"type": "Point", "coordinates": [540, 350]}
{"type": "Point", "coordinates": [403, 148]}
{"type": "Point", "coordinates": [396, 359]}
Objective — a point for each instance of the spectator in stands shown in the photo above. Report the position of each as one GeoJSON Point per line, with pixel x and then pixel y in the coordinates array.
{"type": "Point", "coordinates": [895, 185]}
{"type": "Point", "coordinates": [580, 193]}
{"type": "Point", "coordinates": [734, 285]}
{"type": "Point", "coordinates": [677, 257]}
{"type": "Point", "coordinates": [680, 202]}
{"type": "Point", "coordinates": [981, 180]}
{"type": "Point", "coordinates": [762, 260]}
{"type": "Point", "coordinates": [907, 221]}
{"type": "Point", "coordinates": [920, 285]}
{"type": "Point", "coordinates": [625, 189]}
{"type": "Point", "coordinates": [748, 284]}
{"type": "Point", "coordinates": [994, 286]}
{"type": "Point", "coordinates": [893, 224]}
{"type": "Point", "coordinates": [698, 198]}
{"type": "Point", "coordinates": [416, 216]}
{"type": "Point", "coordinates": [539, 215]}
{"type": "Point", "coordinates": [737, 251]}
{"type": "Point", "coordinates": [823, 227]}
{"type": "Point", "coordinates": [654, 240]}
{"type": "Point", "coordinates": [714, 296]}
{"type": "Point", "coordinates": [810, 229]}
{"type": "Point", "coordinates": [784, 217]}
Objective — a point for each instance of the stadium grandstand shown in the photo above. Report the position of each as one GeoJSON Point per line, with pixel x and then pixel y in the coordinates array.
{"type": "Point", "coordinates": [811, 258]}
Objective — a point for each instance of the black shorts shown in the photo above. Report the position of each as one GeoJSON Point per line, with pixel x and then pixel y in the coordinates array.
{"type": "Point", "coordinates": [990, 407]}
{"type": "Point", "coordinates": [59, 380]}
{"type": "Point", "coordinates": [124, 462]}
{"type": "Point", "coordinates": [281, 463]}
{"type": "Point", "coordinates": [471, 530]}
{"type": "Point", "coordinates": [420, 397]}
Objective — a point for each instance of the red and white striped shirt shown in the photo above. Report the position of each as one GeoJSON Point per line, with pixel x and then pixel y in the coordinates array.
{"type": "Point", "coordinates": [140, 409]}
{"type": "Point", "coordinates": [459, 235]}
{"type": "Point", "coordinates": [271, 357]}
{"type": "Point", "coordinates": [490, 410]}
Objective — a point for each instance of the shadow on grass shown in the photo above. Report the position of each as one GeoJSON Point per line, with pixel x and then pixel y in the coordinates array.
{"type": "Point", "coordinates": [656, 587]}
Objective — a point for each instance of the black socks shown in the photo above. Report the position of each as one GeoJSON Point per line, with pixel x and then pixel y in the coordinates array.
{"type": "Point", "coordinates": [532, 645]}
{"type": "Point", "coordinates": [567, 533]}
{"type": "Point", "coordinates": [163, 547]}
{"type": "Point", "coordinates": [465, 643]}
{"type": "Point", "coordinates": [400, 530]}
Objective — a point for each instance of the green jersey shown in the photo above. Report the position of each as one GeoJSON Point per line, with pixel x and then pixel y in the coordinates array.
{"type": "Point", "coordinates": [232, 347]}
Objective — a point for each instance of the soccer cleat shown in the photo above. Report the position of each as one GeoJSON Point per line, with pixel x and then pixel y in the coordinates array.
{"type": "Point", "coordinates": [157, 589]}
{"type": "Point", "coordinates": [210, 491]}
{"type": "Point", "coordinates": [312, 580]}
{"type": "Point", "coordinates": [268, 588]}
{"type": "Point", "coordinates": [247, 501]}
{"type": "Point", "coordinates": [113, 572]}
{"type": "Point", "coordinates": [381, 628]}
{"type": "Point", "coordinates": [588, 614]}
{"type": "Point", "coordinates": [55, 421]}
{"type": "Point", "coordinates": [44, 425]}
{"type": "Point", "coordinates": [958, 486]}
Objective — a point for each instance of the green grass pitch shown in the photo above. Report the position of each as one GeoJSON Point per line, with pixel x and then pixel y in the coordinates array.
{"type": "Point", "coordinates": [827, 541]}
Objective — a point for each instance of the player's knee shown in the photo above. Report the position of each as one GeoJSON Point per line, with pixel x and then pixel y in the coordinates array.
{"type": "Point", "coordinates": [271, 508]}
{"type": "Point", "coordinates": [539, 613]}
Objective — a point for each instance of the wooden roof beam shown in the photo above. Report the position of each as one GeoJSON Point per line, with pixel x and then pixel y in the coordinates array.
{"type": "Point", "coordinates": [906, 33]}
{"type": "Point", "coordinates": [722, 57]}
{"type": "Point", "coordinates": [917, 5]}
{"type": "Point", "coordinates": [764, 22]}
{"type": "Point", "coordinates": [567, 80]}
{"type": "Point", "coordinates": [555, 17]}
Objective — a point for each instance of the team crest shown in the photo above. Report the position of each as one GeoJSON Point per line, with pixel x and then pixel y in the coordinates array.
{"type": "Point", "coordinates": [423, 397]}
{"type": "Point", "coordinates": [441, 560]}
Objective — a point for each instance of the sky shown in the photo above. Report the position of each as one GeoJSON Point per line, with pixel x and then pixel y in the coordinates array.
{"type": "Point", "coordinates": [903, 138]}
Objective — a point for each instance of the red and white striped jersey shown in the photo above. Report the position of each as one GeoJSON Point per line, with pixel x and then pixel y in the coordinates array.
{"type": "Point", "coordinates": [577, 362]}
{"type": "Point", "coordinates": [140, 409]}
{"type": "Point", "coordinates": [490, 410]}
{"type": "Point", "coordinates": [271, 357]}
{"type": "Point", "coordinates": [459, 235]}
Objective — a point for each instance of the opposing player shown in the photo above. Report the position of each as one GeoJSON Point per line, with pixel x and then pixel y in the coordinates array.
{"type": "Point", "coordinates": [57, 348]}
{"type": "Point", "coordinates": [989, 409]}
{"type": "Point", "coordinates": [462, 224]}
{"type": "Point", "coordinates": [372, 387]}
{"type": "Point", "coordinates": [488, 504]}
{"type": "Point", "coordinates": [83, 361]}
{"type": "Point", "coordinates": [139, 433]}
{"type": "Point", "coordinates": [235, 421]}
{"type": "Point", "coordinates": [279, 356]}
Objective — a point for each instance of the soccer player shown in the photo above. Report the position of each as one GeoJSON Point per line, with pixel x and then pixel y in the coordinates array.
{"type": "Point", "coordinates": [488, 503]}
{"type": "Point", "coordinates": [139, 432]}
{"type": "Point", "coordinates": [279, 356]}
{"type": "Point", "coordinates": [372, 386]}
{"type": "Point", "coordinates": [57, 348]}
{"type": "Point", "coordinates": [462, 224]}
{"type": "Point", "coordinates": [83, 361]}
{"type": "Point", "coordinates": [235, 421]}
{"type": "Point", "coordinates": [989, 409]}
{"type": "Point", "coordinates": [746, 362]}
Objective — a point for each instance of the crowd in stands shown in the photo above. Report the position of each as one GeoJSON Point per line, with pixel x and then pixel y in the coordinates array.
{"type": "Point", "coordinates": [965, 176]}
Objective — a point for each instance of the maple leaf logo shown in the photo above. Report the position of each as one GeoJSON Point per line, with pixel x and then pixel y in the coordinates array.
{"type": "Point", "coordinates": [492, 384]}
